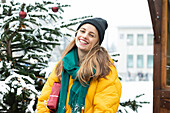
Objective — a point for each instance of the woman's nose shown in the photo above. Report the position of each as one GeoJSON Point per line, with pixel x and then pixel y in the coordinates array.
{"type": "Point", "coordinates": [85, 35]}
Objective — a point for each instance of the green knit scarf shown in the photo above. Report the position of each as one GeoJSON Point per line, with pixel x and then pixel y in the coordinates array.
{"type": "Point", "coordinates": [77, 92]}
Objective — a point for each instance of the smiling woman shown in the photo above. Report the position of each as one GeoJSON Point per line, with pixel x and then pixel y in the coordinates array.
{"type": "Point", "coordinates": [87, 37]}
{"type": "Point", "coordinates": [89, 79]}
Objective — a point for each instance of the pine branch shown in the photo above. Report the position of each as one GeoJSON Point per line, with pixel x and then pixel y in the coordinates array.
{"type": "Point", "coordinates": [12, 35]}
{"type": "Point", "coordinates": [133, 104]}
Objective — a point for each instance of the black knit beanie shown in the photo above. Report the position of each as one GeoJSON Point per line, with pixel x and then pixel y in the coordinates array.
{"type": "Point", "coordinates": [100, 24]}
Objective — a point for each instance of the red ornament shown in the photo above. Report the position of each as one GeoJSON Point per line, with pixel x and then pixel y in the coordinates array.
{"type": "Point", "coordinates": [54, 9]}
{"type": "Point", "coordinates": [22, 14]}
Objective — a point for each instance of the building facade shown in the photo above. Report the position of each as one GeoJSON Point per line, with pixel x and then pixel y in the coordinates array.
{"type": "Point", "coordinates": [135, 45]}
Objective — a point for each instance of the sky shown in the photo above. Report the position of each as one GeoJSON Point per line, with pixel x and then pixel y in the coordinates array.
{"type": "Point", "coordinates": [116, 12]}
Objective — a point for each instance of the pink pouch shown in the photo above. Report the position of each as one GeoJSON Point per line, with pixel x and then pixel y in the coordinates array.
{"type": "Point", "coordinates": [54, 97]}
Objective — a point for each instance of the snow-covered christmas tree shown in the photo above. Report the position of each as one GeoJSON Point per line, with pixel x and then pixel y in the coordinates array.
{"type": "Point", "coordinates": [28, 34]}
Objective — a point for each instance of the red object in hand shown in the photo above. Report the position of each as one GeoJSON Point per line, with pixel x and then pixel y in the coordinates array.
{"type": "Point", "coordinates": [22, 14]}
{"type": "Point", "coordinates": [54, 9]}
{"type": "Point", "coordinates": [54, 97]}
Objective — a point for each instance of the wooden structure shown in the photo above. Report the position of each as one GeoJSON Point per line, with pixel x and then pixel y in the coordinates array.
{"type": "Point", "coordinates": [160, 15]}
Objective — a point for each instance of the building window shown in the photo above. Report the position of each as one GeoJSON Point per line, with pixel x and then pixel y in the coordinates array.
{"type": "Point", "coordinates": [130, 39]}
{"type": "Point", "coordinates": [150, 61]}
{"type": "Point", "coordinates": [139, 61]}
{"type": "Point", "coordinates": [150, 39]}
{"type": "Point", "coordinates": [140, 39]}
{"type": "Point", "coordinates": [130, 61]}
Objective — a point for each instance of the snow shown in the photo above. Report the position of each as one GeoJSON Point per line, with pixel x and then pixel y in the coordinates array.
{"type": "Point", "coordinates": [20, 82]}
{"type": "Point", "coordinates": [3, 87]}
{"type": "Point", "coordinates": [39, 13]}
{"type": "Point", "coordinates": [133, 88]}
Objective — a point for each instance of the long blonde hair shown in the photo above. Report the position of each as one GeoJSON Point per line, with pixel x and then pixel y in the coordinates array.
{"type": "Point", "coordinates": [97, 58]}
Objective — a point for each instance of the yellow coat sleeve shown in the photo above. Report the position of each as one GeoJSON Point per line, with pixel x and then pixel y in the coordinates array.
{"type": "Point", "coordinates": [45, 93]}
{"type": "Point", "coordinates": [108, 93]}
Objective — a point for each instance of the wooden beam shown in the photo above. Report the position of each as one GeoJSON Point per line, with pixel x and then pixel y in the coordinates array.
{"type": "Point", "coordinates": [155, 12]}
{"type": "Point", "coordinates": [156, 77]}
{"type": "Point", "coordinates": [164, 32]}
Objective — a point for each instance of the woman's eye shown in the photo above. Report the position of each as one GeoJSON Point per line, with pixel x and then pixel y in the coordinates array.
{"type": "Point", "coordinates": [91, 35]}
{"type": "Point", "coordinates": [82, 31]}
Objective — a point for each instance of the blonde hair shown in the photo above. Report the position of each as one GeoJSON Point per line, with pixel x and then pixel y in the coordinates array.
{"type": "Point", "coordinates": [96, 59]}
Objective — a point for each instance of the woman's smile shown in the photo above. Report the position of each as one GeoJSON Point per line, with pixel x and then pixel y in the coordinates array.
{"type": "Point", "coordinates": [83, 41]}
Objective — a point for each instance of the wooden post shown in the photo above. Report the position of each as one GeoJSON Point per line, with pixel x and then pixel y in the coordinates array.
{"type": "Point", "coordinates": [155, 11]}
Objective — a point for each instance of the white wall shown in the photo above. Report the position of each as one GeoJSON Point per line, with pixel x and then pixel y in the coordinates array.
{"type": "Point", "coordinates": [135, 50]}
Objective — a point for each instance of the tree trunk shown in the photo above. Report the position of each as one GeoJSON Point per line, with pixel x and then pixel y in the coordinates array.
{"type": "Point", "coordinates": [8, 49]}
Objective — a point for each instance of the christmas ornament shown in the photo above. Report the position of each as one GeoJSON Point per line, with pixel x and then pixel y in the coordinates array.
{"type": "Point", "coordinates": [54, 9]}
{"type": "Point", "coordinates": [22, 14]}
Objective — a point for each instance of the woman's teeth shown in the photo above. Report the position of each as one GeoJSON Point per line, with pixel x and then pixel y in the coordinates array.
{"type": "Point", "coordinates": [82, 41]}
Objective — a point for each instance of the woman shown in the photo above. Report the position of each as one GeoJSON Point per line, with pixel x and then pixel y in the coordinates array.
{"type": "Point", "coordinates": [89, 80]}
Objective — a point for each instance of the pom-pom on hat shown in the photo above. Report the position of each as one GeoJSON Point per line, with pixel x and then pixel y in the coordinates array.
{"type": "Point", "coordinates": [100, 24]}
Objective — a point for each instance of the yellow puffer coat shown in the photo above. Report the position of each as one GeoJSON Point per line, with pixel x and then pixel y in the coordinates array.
{"type": "Point", "coordinates": [103, 95]}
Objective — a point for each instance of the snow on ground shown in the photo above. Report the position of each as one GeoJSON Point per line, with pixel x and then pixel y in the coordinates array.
{"type": "Point", "coordinates": [133, 88]}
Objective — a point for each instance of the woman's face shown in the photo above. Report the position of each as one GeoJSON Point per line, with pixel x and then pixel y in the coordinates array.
{"type": "Point", "coordinates": [87, 36]}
